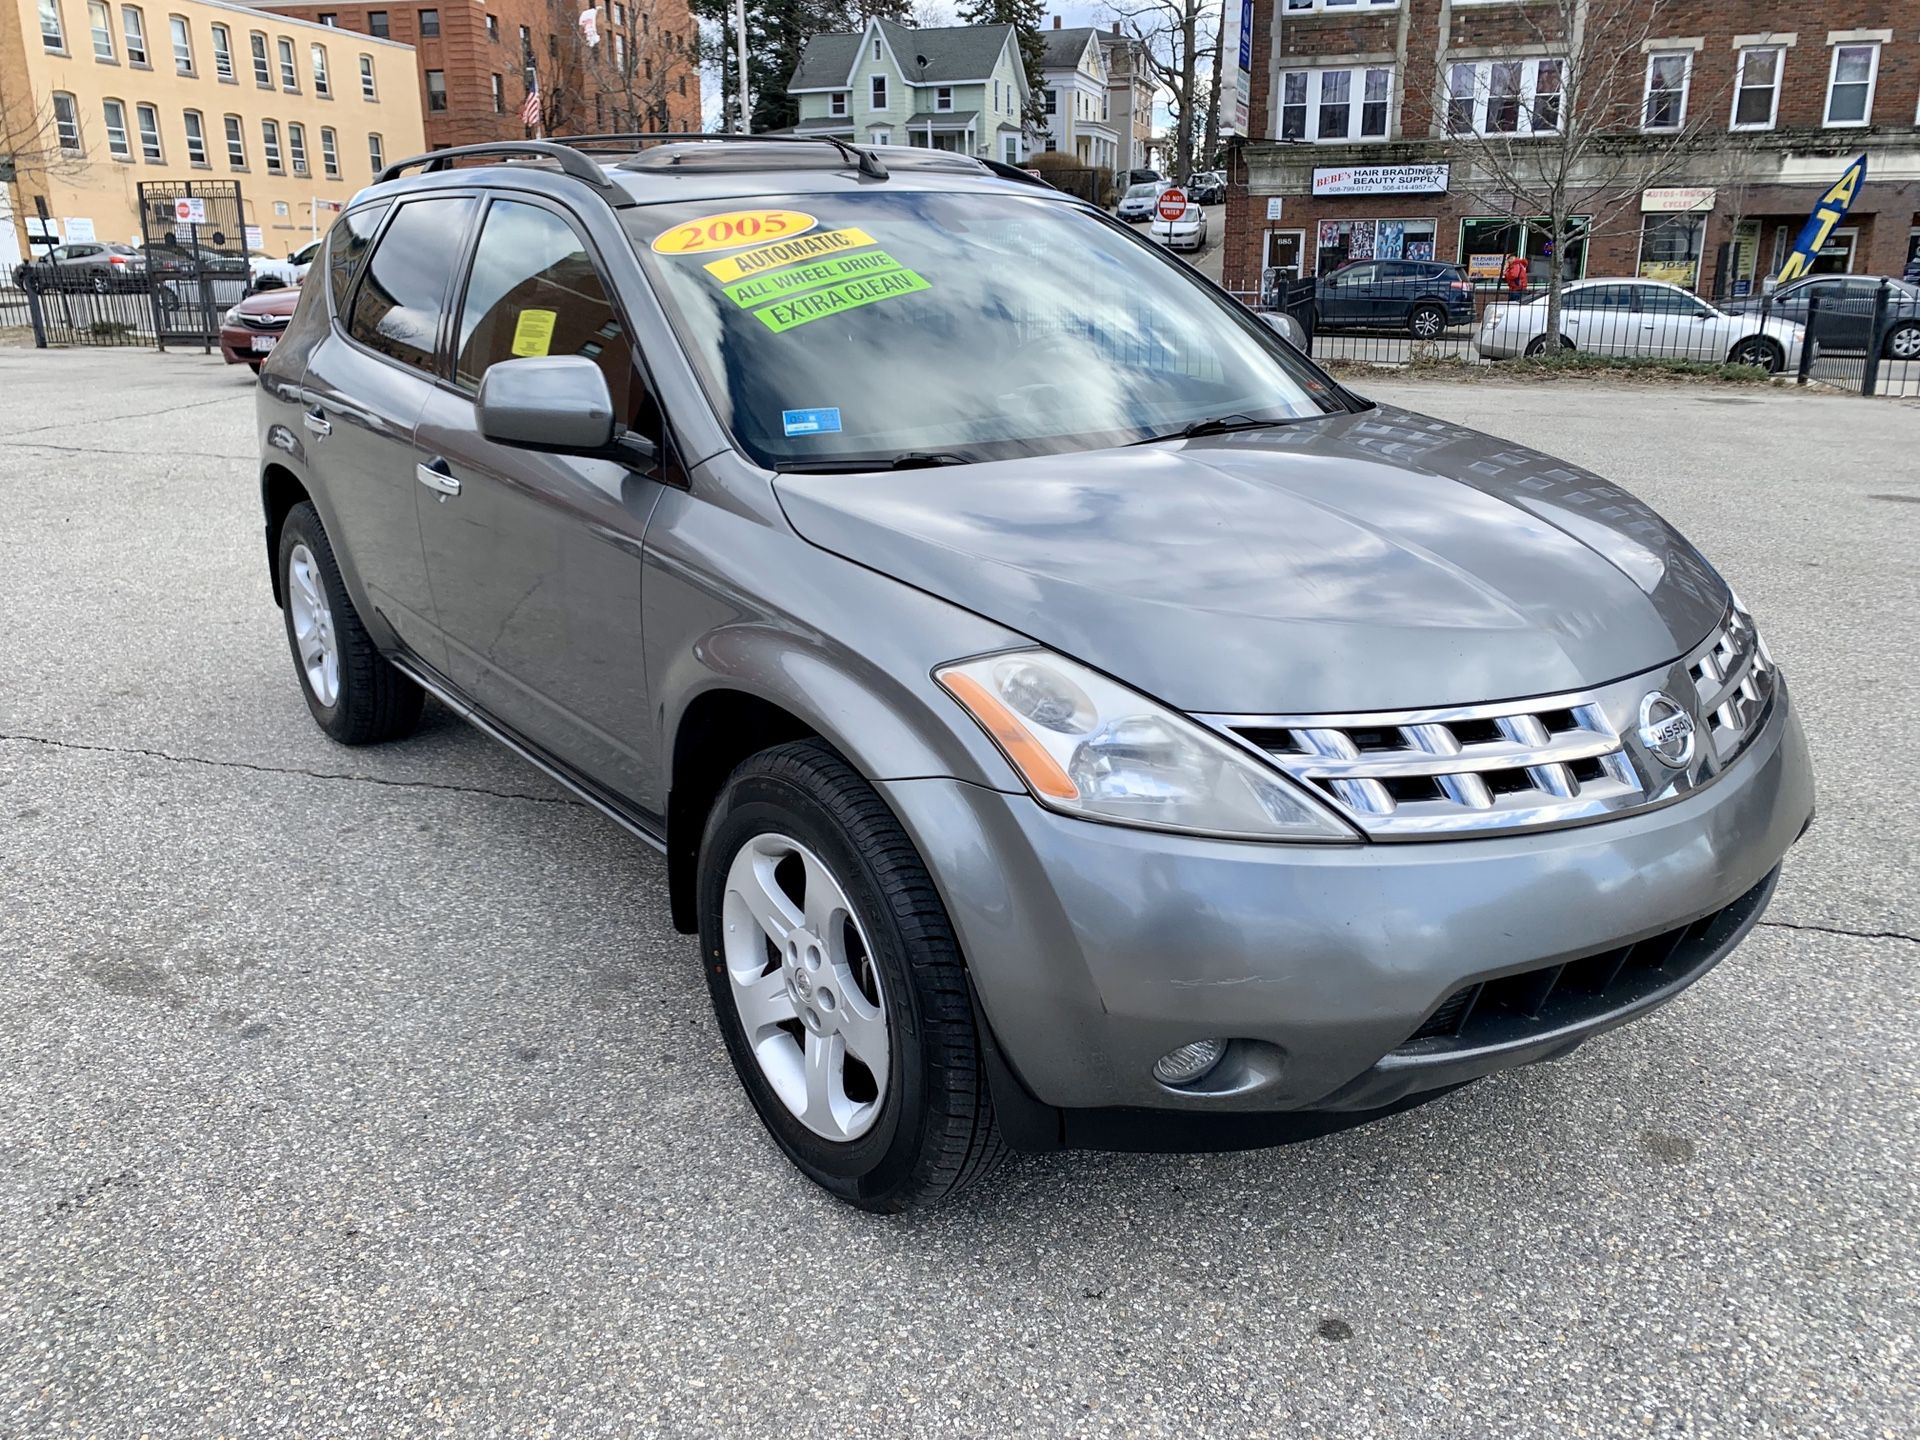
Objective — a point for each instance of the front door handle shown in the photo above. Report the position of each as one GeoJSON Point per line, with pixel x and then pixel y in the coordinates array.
{"type": "Point", "coordinates": [437, 477]}
{"type": "Point", "coordinates": [318, 424]}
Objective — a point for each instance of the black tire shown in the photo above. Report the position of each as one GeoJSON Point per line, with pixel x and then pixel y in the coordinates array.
{"type": "Point", "coordinates": [1903, 342]}
{"type": "Point", "coordinates": [1427, 322]}
{"type": "Point", "coordinates": [375, 701]}
{"type": "Point", "coordinates": [99, 284]}
{"type": "Point", "coordinates": [1538, 345]}
{"type": "Point", "coordinates": [935, 1133]}
{"type": "Point", "coordinates": [1759, 350]}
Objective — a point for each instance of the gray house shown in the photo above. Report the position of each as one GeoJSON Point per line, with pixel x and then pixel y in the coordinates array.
{"type": "Point", "coordinates": [960, 87]}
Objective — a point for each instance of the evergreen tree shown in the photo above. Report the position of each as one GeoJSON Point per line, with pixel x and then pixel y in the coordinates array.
{"type": "Point", "coordinates": [1025, 17]}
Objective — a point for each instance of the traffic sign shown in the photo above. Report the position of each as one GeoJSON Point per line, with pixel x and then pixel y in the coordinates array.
{"type": "Point", "coordinates": [1173, 203]}
{"type": "Point", "coordinates": [190, 210]}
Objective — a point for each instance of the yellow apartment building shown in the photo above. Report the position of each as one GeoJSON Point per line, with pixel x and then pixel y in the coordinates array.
{"type": "Point", "coordinates": [97, 96]}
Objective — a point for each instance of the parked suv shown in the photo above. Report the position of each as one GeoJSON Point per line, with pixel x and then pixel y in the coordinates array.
{"type": "Point", "coordinates": [1069, 718]}
{"type": "Point", "coordinates": [1422, 297]}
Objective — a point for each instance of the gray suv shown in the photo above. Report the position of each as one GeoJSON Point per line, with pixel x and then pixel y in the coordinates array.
{"type": "Point", "coordinates": [1069, 717]}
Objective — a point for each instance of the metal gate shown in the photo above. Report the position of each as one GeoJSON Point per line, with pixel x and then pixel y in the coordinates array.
{"type": "Point", "coordinates": [195, 234]}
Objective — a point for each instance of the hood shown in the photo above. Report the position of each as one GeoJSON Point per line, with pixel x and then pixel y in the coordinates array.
{"type": "Point", "coordinates": [270, 302]}
{"type": "Point", "coordinates": [1382, 560]}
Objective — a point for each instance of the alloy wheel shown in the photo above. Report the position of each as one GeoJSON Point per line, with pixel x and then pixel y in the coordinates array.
{"type": "Point", "coordinates": [1904, 343]}
{"type": "Point", "coordinates": [1757, 352]}
{"type": "Point", "coordinates": [806, 987]}
{"type": "Point", "coordinates": [1427, 324]}
{"type": "Point", "coordinates": [313, 631]}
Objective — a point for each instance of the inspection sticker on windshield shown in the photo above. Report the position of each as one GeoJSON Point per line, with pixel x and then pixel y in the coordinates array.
{"type": "Point", "coordinates": [787, 252]}
{"type": "Point", "coordinates": [811, 422]}
{"type": "Point", "coordinates": [817, 305]}
{"type": "Point", "coordinates": [732, 230]}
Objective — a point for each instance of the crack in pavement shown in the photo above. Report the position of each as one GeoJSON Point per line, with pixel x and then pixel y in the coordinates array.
{"type": "Point", "coordinates": [1839, 930]}
{"type": "Point", "coordinates": [142, 415]}
{"type": "Point", "coordinates": [81, 746]}
{"type": "Point", "coordinates": [142, 454]}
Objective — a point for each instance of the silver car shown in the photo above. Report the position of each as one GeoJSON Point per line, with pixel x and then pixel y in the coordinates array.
{"type": "Point", "coordinates": [1647, 318]}
{"type": "Point", "coordinates": [1138, 203]}
{"type": "Point", "coordinates": [1068, 717]}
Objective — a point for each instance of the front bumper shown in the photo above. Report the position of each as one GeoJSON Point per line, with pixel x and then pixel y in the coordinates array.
{"type": "Point", "coordinates": [1095, 949]}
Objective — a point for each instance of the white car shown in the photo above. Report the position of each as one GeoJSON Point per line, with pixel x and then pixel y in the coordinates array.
{"type": "Point", "coordinates": [266, 272]}
{"type": "Point", "coordinates": [1638, 317]}
{"type": "Point", "coordinates": [1137, 204]}
{"type": "Point", "coordinates": [1189, 232]}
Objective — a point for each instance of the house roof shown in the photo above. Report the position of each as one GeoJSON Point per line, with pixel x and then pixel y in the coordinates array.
{"type": "Point", "coordinates": [1065, 47]}
{"type": "Point", "coordinates": [954, 53]}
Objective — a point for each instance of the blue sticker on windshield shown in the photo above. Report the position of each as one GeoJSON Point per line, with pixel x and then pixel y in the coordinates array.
{"type": "Point", "coordinates": [811, 422]}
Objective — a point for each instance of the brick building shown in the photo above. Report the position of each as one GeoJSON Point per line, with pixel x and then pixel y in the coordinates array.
{"type": "Point", "coordinates": [479, 58]}
{"type": "Point", "coordinates": [1369, 123]}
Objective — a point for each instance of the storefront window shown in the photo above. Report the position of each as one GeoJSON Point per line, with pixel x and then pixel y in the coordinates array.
{"type": "Point", "coordinates": [1486, 245]}
{"type": "Point", "coordinates": [1670, 248]}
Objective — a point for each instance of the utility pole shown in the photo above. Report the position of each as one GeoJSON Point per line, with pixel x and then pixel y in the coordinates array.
{"type": "Point", "coordinates": [740, 65]}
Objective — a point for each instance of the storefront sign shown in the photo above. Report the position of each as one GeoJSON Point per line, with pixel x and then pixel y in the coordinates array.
{"type": "Point", "coordinates": [1273, 207]}
{"type": "Point", "coordinates": [1381, 180]}
{"type": "Point", "coordinates": [1485, 267]}
{"type": "Point", "coordinates": [1829, 212]}
{"type": "Point", "coordinates": [1683, 201]}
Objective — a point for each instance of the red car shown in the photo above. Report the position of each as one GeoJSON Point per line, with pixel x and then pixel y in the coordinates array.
{"type": "Point", "coordinates": [250, 330]}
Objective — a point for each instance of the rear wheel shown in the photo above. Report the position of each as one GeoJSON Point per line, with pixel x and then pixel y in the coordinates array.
{"type": "Point", "coordinates": [1538, 345]}
{"type": "Point", "coordinates": [1761, 351]}
{"type": "Point", "coordinates": [838, 985]}
{"type": "Point", "coordinates": [355, 694]}
{"type": "Point", "coordinates": [1426, 322]}
{"type": "Point", "coordinates": [1903, 341]}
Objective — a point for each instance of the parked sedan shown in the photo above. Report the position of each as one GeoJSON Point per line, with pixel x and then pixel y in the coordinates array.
{"type": "Point", "coordinates": [1838, 311]}
{"type": "Point", "coordinates": [1638, 317]}
{"type": "Point", "coordinates": [85, 266]}
{"type": "Point", "coordinates": [250, 330]}
{"type": "Point", "coordinates": [1422, 297]}
{"type": "Point", "coordinates": [1137, 204]}
{"type": "Point", "coordinates": [1189, 232]}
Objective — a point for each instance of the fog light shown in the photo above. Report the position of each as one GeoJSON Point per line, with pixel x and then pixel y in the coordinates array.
{"type": "Point", "coordinates": [1187, 1063]}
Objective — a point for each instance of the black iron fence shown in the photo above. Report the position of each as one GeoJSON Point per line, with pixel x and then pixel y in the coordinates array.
{"type": "Point", "coordinates": [1868, 344]}
{"type": "Point", "coordinates": [168, 301]}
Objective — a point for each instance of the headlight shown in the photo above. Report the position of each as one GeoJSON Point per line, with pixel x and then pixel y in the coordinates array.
{"type": "Point", "coordinates": [232, 317]}
{"type": "Point", "coordinates": [1087, 746]}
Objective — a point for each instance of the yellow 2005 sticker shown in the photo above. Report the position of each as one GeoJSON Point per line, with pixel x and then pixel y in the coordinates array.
{"type": "Point", "coordinates": [732, 230]}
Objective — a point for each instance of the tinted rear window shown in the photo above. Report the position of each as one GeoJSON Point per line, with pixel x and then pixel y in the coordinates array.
{"type": "Point", "coordinates": [401, 297]}
{"type": "Point", "coordinates": [346, 245]}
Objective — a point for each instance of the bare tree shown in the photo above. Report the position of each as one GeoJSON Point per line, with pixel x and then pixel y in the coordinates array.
{"type": "Point", "coordinates": [30, 138]}
{"type": "Point", "coordinates": [1178, 41]}
{"type": "Point", "coordinates": [636, 72]}
{"type": "Point", "coordinates": [1588, 126]}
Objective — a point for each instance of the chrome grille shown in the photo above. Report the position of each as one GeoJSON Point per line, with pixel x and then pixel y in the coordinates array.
{"type": "Point", "coordinates": [1523, 764]}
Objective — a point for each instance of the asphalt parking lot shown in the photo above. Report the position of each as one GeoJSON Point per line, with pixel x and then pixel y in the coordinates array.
{"type": "Point", "coordinates": [370, 1093]}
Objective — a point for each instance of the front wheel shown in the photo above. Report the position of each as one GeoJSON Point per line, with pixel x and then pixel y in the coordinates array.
{"type": "Point", "coordinates": [1759, 351]}
{"type": "Point", "coordinates": [1538, 345]}
{"type": "Point", "coordinates": [1903, 342]}
{"type": "Point", "coordinates": [838, 985]}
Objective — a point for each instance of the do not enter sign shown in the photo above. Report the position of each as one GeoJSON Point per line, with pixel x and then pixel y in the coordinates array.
{"type": "Point", "coordinates": [1173, 203]}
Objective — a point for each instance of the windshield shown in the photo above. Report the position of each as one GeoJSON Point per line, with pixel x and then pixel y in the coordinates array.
{"type": "Point", "coordinates": [1144, 190]}
{"type": "Point", "coordinates": [966, 326]}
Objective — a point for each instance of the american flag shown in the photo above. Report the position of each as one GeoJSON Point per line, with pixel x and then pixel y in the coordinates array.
{"type": "Point", "coordinates": [530, 112]}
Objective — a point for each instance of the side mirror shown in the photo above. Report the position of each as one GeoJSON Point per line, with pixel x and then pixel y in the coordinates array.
{"type": "Point", "coordinates": [555, 403]}
{"type": "Point", "coordinates": [1285, 326]}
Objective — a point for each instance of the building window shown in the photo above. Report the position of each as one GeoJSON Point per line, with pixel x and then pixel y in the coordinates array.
{"type": "Point", "coordinates": [493, 28]}
{"type": "Point", "coordinates": [1504, 97]}
{"type": "Point", "coordinates": [182, 44]}
{"type": "Point", "coordinates": [1298, 7]}
{"type": "Point", "coordinates": [134, 26]}
{"type": "Point", "coordinates": [1670, 248]}
{"type": "Point", "coordinates": [66, 122]}
{"type": "Point", "coordinates": [367, 91]}
{"type": "Point", "coordinates": [1756, 90]}
{"type": "Point", "coordinates": [429, 24]}
{"type": "Point", "coordinates": [330, 20]}
{"type": "Point", "coordinates": [499, 95]}
{"type": "Point", "coordinates": [329, 152]}
{"type": "Point", "coordinates": [1850, 84]}
{"type": "Point", "coordinates": [270, 143]}
{"type": "Point", "coordinates": [100, 21]}
{"type": "Point", "coordinates": [876, 47]}
{"type": "Point", "coordinates": [262, 67]}
{"type": "Point", "coordinates": [877, 97]}
{"type": "Point", "coordinates": [223, 53]}
{"type": "Point", "coordinates": [1668, 72]}
{"type": "Point", "coordinates": [149, 121]}
{"type": "Point", "coordinates": [196, 138]}
{"type": "Point", "coordinates": [117, 141]}
{"type": "Point", "coordinates": [377, 24]}
{"type": "Point", "coordinates": [1053, 102]}
{"type": "Point", "coordinates": [436, 89]}
{"type": "Point", "coordinates": [321, 84]}
{"type": "Point", "coordinates": [1486, 245]}
{"type": "Point", "coordinates": [1321, 104]}
{"type": "Point", "coordinates": [837, 103]}
{"type": "Point", "coordinates": [289, 69]}
{"type": "Point", "coordinates": [236, 144]}
{"type": "Point", "coordinates": [297, 146]}
{"type": "Point", "coordinates": [943, 98]}
{"type": "Point", "coordinates": [53, 35]}
{"type": "Point", "coordinates": [375, 156]}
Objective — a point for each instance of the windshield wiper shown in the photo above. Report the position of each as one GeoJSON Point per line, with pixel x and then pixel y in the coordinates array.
{"type": "Point", "coordinates": [907, 460]}
{"type": "Point", "coordinates": [1222, 424]}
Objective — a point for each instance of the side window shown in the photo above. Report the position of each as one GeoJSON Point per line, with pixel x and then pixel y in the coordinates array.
{"type": "Point", "coordinates": [403, 293]}
{"type": "Point", "coordinates": [1601, 297]}
{"type": "Point", "coordinates": [1658, 300]}
{"type": "Point", "coordinates": [534, 291]}
{"type": "Point", "coordinates": [345, 245]}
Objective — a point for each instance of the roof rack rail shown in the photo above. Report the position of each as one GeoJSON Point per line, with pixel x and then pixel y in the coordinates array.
{"type": "Point", "coordinates": [864, 160]}
{"type": "Point", "coordinates": [565, 156]}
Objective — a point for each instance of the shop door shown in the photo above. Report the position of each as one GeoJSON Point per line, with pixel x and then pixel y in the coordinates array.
{"type": "Point", "coordinates": [1836, 256]}
{"type": "Point", "coordinates": [1284, 251]}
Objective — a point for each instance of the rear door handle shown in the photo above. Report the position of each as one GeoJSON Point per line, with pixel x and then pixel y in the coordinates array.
{"type": "Point", "coordinates": [437, 477]}
{"type": "Point", "coordinates": [318, 424]}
